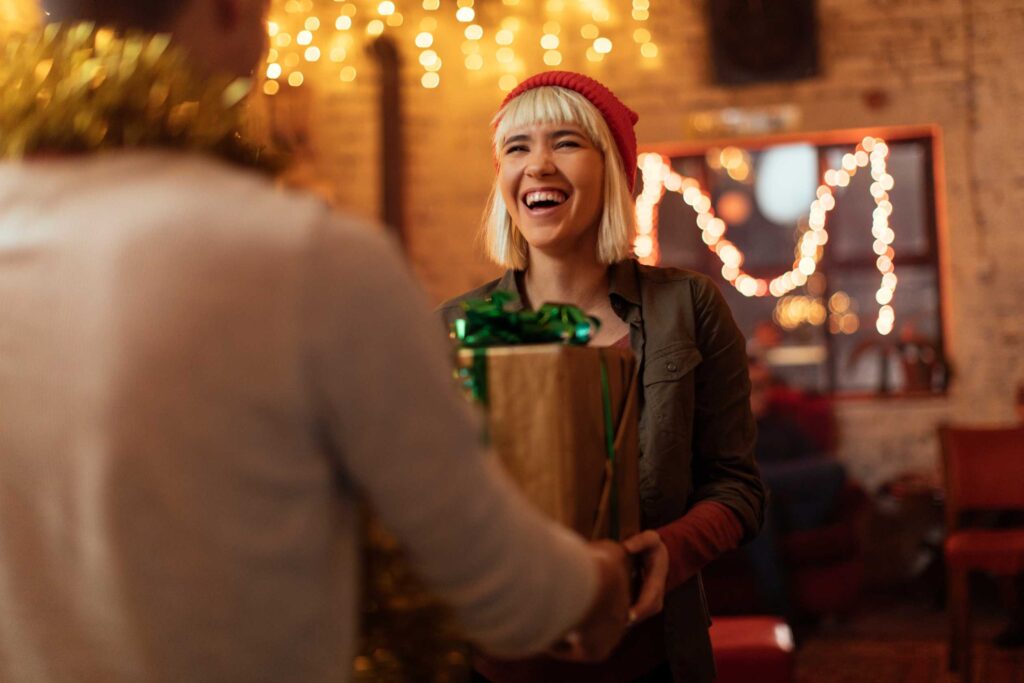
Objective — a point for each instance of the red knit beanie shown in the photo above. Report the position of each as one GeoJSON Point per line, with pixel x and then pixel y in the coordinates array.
{"type": "Point", "coordinates": [619, 117]}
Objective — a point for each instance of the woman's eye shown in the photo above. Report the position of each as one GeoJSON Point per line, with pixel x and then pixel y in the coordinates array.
{"type": "Point", "coordinates": [567, 143]}
{"type": "Point", "coordinates": [515, 148]}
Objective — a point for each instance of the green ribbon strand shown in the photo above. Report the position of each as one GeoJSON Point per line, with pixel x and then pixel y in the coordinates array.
{"type": "Point", "coordinates": [609, 444]}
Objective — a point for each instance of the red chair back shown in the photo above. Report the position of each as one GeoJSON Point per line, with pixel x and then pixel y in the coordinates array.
{"type": "Point", "coordinates": [984, 468]}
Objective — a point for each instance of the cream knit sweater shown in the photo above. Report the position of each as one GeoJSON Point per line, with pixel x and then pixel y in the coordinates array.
{"type": "Point", "coordinates": [198, 375]}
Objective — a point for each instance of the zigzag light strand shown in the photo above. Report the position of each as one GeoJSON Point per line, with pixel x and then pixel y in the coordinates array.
{"type": "Point", "coordinates": [658, 177]}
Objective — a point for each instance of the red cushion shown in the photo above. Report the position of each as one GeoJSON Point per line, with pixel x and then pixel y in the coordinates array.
{"type": "Point", "coordinates": [752, 649]}
{"type": "Point", "coordinates": [996, 551]}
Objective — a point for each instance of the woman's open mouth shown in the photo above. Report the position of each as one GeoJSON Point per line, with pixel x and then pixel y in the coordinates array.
{"type": "Point", "coordinates": [545, 200]}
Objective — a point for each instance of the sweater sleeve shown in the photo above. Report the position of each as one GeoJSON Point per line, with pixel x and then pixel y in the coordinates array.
{"type": "Point", "coordinates": [409, 443]}
{"type": "Point", "coordinates": [698, 537]}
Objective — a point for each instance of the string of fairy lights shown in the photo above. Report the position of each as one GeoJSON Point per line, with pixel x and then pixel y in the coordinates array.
{"type": "Point", "coordinates": [503, 41]}
{"type": "Point", "coordinates": [658, 177]}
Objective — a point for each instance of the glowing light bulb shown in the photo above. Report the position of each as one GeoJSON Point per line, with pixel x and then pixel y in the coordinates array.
{"type": "Point", "coordinates": [552, 57]}
{"type": "Point", "coordinates": [428, 57]}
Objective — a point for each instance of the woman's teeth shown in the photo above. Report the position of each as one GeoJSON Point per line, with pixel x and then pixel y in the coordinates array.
{"type": "Point", "coordinates": [544, 199]}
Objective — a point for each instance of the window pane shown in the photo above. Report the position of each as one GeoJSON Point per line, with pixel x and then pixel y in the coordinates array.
{"type": "Point", "coordinates": [909, 358]}
{"type": "Point", "coordinates": [850, 222]}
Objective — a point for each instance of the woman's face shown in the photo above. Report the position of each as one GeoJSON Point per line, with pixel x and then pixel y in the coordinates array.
{"type": "Point", "coordinates": [552, 180]}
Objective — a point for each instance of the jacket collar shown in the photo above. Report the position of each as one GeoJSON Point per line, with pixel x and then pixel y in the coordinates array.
{"type": "Point", "coordinates": [623, 284]}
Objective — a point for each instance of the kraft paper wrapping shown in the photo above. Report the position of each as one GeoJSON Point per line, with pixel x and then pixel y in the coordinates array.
{"type": "Point", "coordinates": [546, 422]}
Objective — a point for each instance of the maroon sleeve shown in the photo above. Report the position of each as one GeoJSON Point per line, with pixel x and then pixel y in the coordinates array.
{"type": "Point", "coordinates": [709, 529]}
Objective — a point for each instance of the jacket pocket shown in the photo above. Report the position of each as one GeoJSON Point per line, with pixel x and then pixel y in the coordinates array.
{"type": "Point", "coordinates": [669, 397]}
{"type": "Point", "coordinates": [671, 363]}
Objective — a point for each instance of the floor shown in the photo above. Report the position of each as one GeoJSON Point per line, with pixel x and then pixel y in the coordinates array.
{"type": "Point", "coordinates": [901, 638]}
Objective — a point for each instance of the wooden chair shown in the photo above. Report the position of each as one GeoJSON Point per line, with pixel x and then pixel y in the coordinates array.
{"type": "Point", "coordinates": [984, 470]}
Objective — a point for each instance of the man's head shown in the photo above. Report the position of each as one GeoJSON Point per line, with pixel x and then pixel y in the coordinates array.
{"type": "Point", "coordinates": [221, 35]}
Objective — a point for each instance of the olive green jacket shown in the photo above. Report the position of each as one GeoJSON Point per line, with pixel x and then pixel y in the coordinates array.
{"type": "Point", "coordinates": [697, 433]}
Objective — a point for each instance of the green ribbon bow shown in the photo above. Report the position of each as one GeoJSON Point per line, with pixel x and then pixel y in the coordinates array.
{"type": "Point", "coordinates": [486, 322]}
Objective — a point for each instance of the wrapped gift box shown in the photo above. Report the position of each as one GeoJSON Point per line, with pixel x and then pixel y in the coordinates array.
{"type": "Point", "coordinates": [546, 420]}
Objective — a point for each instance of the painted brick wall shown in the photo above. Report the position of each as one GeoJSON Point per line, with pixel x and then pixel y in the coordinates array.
{"type": "Point", "coordinates": [954, 63]}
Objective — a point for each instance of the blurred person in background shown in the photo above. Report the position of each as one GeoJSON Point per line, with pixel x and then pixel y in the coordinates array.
{"type": "Point", "coordinates": [191, 405]}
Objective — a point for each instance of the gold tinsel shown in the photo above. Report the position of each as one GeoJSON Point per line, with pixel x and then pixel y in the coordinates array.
{"type": "Point", "coordinates": [81, 88]}
{"type": "Point", "coordinates": [406, 635]}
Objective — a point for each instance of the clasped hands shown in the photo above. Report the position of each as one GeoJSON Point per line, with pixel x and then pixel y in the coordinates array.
{"type": "Point", "coordinates": [613, 611]}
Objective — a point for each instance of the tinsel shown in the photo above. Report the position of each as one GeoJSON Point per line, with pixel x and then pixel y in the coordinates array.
{"type": "Point", "coordinates": [82, 88]}
{"type": "Point", "coordinates": [406, 635]}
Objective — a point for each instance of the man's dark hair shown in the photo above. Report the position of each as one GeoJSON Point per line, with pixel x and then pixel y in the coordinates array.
{"type": "Point", "coordinates": [149, 15]}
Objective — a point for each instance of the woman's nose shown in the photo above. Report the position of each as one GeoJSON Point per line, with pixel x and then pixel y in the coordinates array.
{"type": "Point", "coordinates": [540, 162]}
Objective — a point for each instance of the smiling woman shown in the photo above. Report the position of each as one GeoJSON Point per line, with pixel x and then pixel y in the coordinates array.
{"type": "Point", "coordinates": [561, 219]}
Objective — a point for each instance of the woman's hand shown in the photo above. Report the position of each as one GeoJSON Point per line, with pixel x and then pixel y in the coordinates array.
{"type": "Point", "coordinates": [655, 559]}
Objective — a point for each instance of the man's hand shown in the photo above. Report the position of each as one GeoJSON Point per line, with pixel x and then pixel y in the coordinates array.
{"type": "Point", "coordinates": [603, 625]}
{"type": "Point", "coordinates": [655, 558]}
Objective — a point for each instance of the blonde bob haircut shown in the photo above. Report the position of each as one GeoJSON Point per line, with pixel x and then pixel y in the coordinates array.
{"type": "Point", "coordinates": [503, 242]}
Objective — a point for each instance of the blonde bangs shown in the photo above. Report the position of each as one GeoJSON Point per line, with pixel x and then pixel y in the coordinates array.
{"type": "Point", "coordinates": [550, 104]}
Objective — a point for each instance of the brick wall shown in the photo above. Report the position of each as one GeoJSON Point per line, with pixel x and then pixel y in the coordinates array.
{"type": "Point", "coordinates": [949, 62]}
